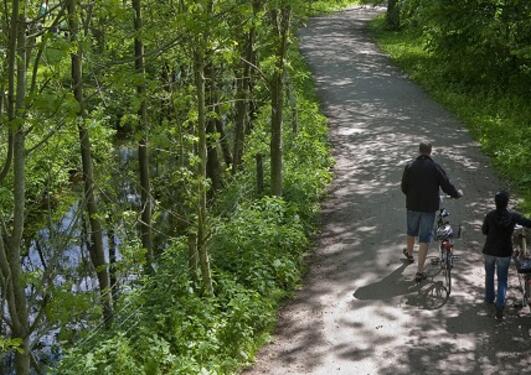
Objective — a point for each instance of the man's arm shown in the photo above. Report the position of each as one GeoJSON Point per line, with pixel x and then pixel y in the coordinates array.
{"type": "Point", "coordinates": [485, 226]}
{"type": "Point", "coordinates": [446, 185]}
{"type": "Point", "coordinates": [403, 185]}
{"type": "Point", "coordinates": [519, 219]}
{"type": "Point", "coordinates": [405, 178]}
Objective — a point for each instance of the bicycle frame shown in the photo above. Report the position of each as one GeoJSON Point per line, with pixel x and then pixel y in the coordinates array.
{"type": "Point", "coordinates": [524, 279]}
{"type": "Point", "coordinates": [445, 234]}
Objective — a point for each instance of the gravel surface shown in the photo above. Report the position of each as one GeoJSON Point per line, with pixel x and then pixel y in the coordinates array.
{"type": "Point", "coordinates": [359, 311]}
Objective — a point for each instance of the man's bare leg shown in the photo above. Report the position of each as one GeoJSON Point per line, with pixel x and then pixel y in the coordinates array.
{"type": "Point", "coordinates": [423, 252]}
{"type": "Point", "coordinates": [410, 244]}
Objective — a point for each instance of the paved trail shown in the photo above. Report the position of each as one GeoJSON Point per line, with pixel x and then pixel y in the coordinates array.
{"type": "Point", "coordinates": [359, 311]}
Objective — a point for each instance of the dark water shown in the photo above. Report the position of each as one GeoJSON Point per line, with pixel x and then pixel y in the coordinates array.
{"type": "Point", "coordinates": [63, 246]}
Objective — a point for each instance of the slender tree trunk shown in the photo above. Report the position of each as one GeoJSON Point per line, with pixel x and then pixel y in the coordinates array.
{"type": "Point", "coordinates": [240, 117]}
{"type": "Point", "coordinates": [213, 164]}
{"type": "Point", "coordinates": [244, 86]}
{"type": "Point", "coordinates": [276, 136]}
{"type": "Point", "coordinates": [112, 265]}
{"type": "Point", "coordinates": [393, 15]}
{"type": "Point", "coordinates": [22, 360]}
{"type": "Point", "coordinates": [252, 58]}
{"type": "Point", "coordinates": [9, 154]}
{"type": "Point", "coordinates": [41, 254]}
{"type": "Point", "coordinates": [11, 76]}
{"type": "Point", "coordinates": [259, 174]}
{"type": "Point", "coordinates": [281, 21]}
{"type": "Point", "coordinates": [10, 245]}
{"type": "Point", "coordinates": [97, 251]}
{"type": "Point", "coordinates": [292, 99]}
{"type": "Point", "coordinates": [193, 259]}
{"type": "Point", "coordinates": [143, 150]}
{"type": "Point", "coordinates": [225, 148]}
{"type": "Point", "coordinates": [202, 151]}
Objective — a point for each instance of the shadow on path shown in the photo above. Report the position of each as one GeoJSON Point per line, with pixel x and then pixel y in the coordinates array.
{"type": "Point", "coordinates": [391, 286]}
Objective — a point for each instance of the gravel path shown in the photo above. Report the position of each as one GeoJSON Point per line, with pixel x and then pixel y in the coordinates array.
{"type": "Point", "coordinates": [359, 311]}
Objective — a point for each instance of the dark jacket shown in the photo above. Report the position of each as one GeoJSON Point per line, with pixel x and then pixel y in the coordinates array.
{"type": "Point", "coordinates": [420, 183]}
{"type": "Point", "coordinates": [498, 226]}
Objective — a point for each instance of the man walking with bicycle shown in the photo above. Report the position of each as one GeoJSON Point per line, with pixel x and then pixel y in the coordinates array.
{"type": "Point", "coordinates": [421, 181]}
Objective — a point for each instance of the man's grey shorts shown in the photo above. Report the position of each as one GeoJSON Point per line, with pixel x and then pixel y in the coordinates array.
{"type": "Point", "coordinates": [420, 224]}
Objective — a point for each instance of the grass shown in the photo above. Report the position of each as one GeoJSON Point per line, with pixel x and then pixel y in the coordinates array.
{"type": "Point", "coordinates": [499, 119]}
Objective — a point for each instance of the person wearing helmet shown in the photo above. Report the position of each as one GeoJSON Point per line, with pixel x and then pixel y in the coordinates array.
{"type": "Point", "coordinates": [421, 181]}
{"type": "Point", "coordinates": [498, 226]}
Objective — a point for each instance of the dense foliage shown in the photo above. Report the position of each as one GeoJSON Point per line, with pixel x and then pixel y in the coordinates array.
{"type": "Point", "coordinates": [479, 41]}
{"type": "Point", "coordinates": [166, 326]}
{"type": "Point", "coordinates": [475, 57]}
{"type": "Point", "coordinates": [256, 248]}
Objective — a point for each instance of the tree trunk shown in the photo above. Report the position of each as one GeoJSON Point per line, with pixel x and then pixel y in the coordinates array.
{"type": "Point", "coordinates": [292, 99]}
{"type": "Point", "coordinates": [113, 277]}
{"type": "Point", "coordinates": [227, 156]}
{"type": "Point", "coordinates": [97, 251]}
{"type": "Point", "coordinates": [9, 154]}
{"type": "Point", "coordinates": [259, 174]}
{"type": "Point", "coordinates": [393, 15]}
{"type": "Point", "coordinates": [252, 58]}
{"type": "Point", "coordinates": [193, 261]}
{"type": "Point", "coordinates": [244, 86]}
{"type": "Point", "coordinates": [143, 150]}
{"type": "Point", "coordinates": [202, 151]}
{"type": "Point", "coordinates": [240, 117]}
{"type": "Point", "coordinates": [10, 245]}
{"type": "Point", "coordinates": [277, 98]}
{"type": "Point", "coordinates": [11, 76]}
{"type": "Point", "coordinates": [22, 360]}
{"type": "Point", "coordinates": [21, 330]}
{"type": "Point", "coordinates": [213, 164]}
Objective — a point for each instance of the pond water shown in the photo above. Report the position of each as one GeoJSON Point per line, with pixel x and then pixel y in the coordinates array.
{"type": "Point", "coordinates": [63, 246]}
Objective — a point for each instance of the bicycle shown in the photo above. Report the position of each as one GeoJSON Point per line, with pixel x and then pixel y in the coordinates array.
{"type": "Point", "coordinates": [522, 261]}
{"type": "Point", "coordinates": [446, 233]}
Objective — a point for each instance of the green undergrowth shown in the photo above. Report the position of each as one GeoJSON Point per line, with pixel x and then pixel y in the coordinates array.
{"type": "Point", "coordinates": [257, 244]}
{"type": "Point", "coordinates": [499, 118]}
{"type": "Point", "coordinates": [318, 7]}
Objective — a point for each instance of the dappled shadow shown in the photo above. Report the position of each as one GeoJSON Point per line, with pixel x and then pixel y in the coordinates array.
{"type": "Point", "coordinates": [431, 296]}
{"type": "Point", "coordinates": [359, 303]}
{"type": "Point", "coordinates": [474, 344]}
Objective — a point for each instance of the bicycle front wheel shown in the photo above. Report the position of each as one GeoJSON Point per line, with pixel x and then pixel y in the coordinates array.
{"type": "Point", "coordinates": [523, 289]}
{"type": "Point", "coordinates": [448, 272]}
{"type": "Point", "coordinates": [527, 291]}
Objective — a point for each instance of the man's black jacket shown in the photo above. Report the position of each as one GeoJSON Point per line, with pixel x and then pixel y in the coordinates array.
{"type": "Point", "coordinates": [420, 183]}
{"type": "Point", "coordinates": [498, 226]}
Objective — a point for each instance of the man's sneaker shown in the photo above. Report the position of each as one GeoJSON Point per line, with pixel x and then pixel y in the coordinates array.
{"type": "Point", "coordinates": [499, 314]}
{"type": "Point", "coordinates": [419, 276]}
{"type": "Point", "coordinates": [409, 258]}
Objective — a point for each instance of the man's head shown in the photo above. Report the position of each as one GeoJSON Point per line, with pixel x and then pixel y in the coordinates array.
{"type": "Point", "coordinates": [425, 148]}
{"type": "Point", "coordinates": [501, 199]}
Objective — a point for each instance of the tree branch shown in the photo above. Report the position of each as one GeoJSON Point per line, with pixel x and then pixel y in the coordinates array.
{"type": "Point", "coordinates": [9, 156]}
{"type": "Point", "coordinates": [264, 77]}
